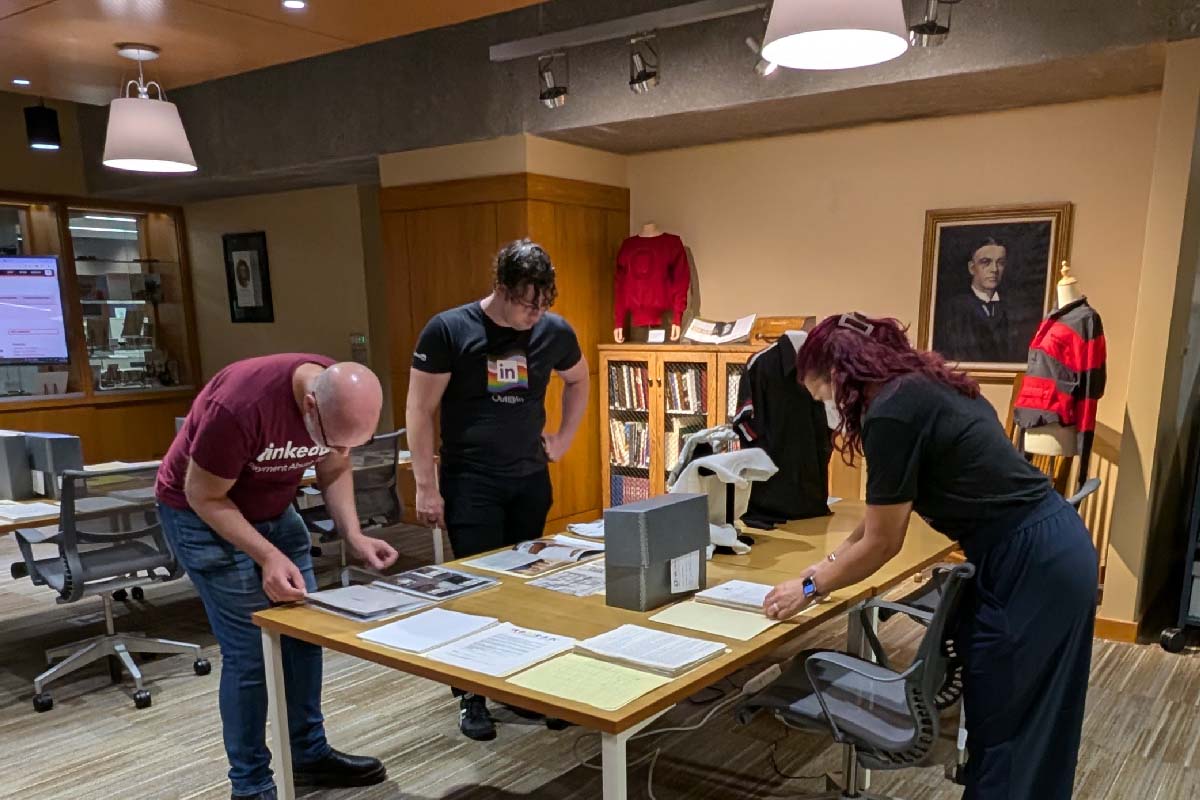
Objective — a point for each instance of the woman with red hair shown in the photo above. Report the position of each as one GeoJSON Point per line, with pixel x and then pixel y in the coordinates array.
{"type": "Point", "coordinates": [933, 445]}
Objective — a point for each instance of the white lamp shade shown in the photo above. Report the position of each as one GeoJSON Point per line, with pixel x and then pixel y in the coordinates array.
{"type": "Point", "coordinates": [835, 34]}
{"type": "Point", "coordinates": [146, 135]}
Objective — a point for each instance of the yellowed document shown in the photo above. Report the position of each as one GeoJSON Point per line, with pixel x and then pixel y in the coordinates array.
{"type": "Point", "coordinates": [718, 620]}
{"type": "Point", "coordinates": [586, 680]}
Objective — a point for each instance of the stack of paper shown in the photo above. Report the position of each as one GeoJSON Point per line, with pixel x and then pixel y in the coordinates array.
{"type": "Point", "coordinates": [741, 595]}
{"type": "Point", "coordinates": [423, 632]}
{"type": "Point", "coordinates": [582, 581]}
{"type": "Point", "coordinates": [655, 651]}
{"type": "Point", "coordinates": [23, 511]}
{"type": "Point", "coordinates": [365, 603]}
{"type": "Point", "coordinates": [585, 680]}
{"type": "Point", "coordinates": [717, 620]}
{"type": "Point", "coordinates": [438, 583]}
{"type": "Point", "coordinates": [502, 649]}
{"type": "Point", "coordinates": [592, 529]}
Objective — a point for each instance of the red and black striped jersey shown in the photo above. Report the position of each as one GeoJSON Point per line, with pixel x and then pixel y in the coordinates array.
{"type": "Point", "coordinates": [1066, 374]}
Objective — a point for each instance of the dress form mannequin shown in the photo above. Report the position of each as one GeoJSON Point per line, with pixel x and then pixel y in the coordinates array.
{"type": "Point", "coordinates": [649, 230]}
{"type": "Point", "coordinates": [1054, 439]}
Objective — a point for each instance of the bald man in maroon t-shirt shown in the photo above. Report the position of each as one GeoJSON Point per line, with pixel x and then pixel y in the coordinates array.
{"type": "Point", "coordinates": [225, 491]}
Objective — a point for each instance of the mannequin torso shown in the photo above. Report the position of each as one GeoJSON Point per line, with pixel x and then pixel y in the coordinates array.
{"type": "Point", "coordinates": [1055, 439]}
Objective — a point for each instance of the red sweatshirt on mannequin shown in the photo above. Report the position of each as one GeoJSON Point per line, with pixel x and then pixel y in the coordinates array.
{"type": "Point", "coordinates": [652, 278]}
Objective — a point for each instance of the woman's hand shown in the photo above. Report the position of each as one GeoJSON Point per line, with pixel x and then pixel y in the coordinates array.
{"type": "Point", "coordinates": [787, 599]}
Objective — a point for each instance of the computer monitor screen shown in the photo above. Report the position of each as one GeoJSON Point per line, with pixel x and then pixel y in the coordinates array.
{"type": "Point", "coordinates": [32, 330]}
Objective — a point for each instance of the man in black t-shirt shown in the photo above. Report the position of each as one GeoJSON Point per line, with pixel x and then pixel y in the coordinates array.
{"type": "Point", "coordinates": [486, 365]}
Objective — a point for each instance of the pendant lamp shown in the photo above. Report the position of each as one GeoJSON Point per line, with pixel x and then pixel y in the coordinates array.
{"type": "Point", "coordinates": [835, 34]}
{"type": "Point", "coordinates": [145, 134]}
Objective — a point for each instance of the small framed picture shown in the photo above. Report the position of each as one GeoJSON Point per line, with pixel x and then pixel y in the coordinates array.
{"type": "Point", "coordinates": [248, 277]}
{"type": "Point", "coordinates": [987, 281]}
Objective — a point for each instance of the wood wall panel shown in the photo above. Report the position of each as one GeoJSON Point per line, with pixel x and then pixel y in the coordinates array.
{"type": "Point", "coordinates": [137, 431]}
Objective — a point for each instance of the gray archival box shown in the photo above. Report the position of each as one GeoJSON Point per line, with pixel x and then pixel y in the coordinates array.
{"type": "Point", "coordinates": [16, 482]}
{"type": "Point", "coordinates": [49, 455]}
{"type": "Point", "coordinates": [641, 539]}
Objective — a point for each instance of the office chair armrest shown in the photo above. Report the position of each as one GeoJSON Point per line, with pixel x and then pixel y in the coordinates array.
{"type": "Point", "coordinates": [846, 663]}
{"type": "Point", "coordinates": [917, 614]}
{"type": "Point", "coordinates": [48, 533]}
{"type": "Point", "coordinates": [1090, 487]}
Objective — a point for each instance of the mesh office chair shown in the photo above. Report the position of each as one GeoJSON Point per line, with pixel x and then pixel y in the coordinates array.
{"type": "Point", "coordinates": [376, 494]}
{"type": "Point", "coordinates": [108, 539]}
{"type": "Point", "coordinates": [888, 719]}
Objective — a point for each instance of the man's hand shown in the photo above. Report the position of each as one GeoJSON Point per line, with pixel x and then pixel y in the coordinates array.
{"type": "Point", "coordinates": [282, 580]}
{"type": "Point", "coordinates": [787, 599]}
{"type": "Point", "coordinates": [375, 553]}
{"type": "Point", "coordinates": [556, 445]}
{"type": "Point", "coordinates": [431, 509]}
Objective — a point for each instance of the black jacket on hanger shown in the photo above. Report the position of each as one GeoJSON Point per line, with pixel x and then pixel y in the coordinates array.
{"type": "Point", "coordinates": [777, 414]}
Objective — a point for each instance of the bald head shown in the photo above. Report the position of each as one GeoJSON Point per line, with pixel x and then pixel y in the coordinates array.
{"type": "Point", "coordinates": [347, 397]}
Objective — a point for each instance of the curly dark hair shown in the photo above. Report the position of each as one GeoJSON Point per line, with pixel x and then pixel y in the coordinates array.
{"type": "Point", "coordinates": [854, 352]}
{"type": "Point", "coordinates": [521, 264]}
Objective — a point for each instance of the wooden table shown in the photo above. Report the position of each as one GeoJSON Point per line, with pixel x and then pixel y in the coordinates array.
{"type": "Point", "coordinates": [776, 556]}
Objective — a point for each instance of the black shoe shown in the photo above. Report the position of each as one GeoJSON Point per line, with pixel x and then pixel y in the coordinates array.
{"type": "Point", "coordinates": [269, 794]}
{"type": "Point", "coordinates": [474, 720]}
{"type": "Point", "coordinates": [339, 769]}
{"type": "Point", "coordinates": [524, 713]}
{"type": "Point", "coordinates": [556, 724]}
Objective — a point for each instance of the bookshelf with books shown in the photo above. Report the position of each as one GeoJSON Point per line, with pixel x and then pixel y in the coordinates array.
{"type": "Point", "coordinates": [653, 397]}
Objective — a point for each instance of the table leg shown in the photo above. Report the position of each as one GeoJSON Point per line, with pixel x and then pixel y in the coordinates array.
{"type": "Point", "coordinates": [857, 643]}
{"type": "Point", "coordinates": [612, 764]}
{"type": "Point", "coordinates": [277, 721]}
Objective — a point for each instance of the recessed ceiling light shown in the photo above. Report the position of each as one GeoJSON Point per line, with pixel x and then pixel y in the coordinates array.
{"type": "Point", "coordinates": [20, 81]}
{"type": "Point", "coordinates": [294, 5]}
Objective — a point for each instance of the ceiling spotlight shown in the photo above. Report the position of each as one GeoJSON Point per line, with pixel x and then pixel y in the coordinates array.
{"type": "Point", "coordinates": [553, 95]}
{"type": "Point", "coordinates": [763, 67]}
{"type": "Point", "coordinates": [643, 63]}
{"type": "Point", "coordinates": [41, 127]}
{"type": "Point", "coordinates": [20, 81]}
{"type": "Point", "coordinates": [832, 34]}
{"type": "Point", "coordinates": [145, 134]}
{"type": "Point", "coordinates": [294, 5]}
{"type": "Point", "coordinates": [929, 32]}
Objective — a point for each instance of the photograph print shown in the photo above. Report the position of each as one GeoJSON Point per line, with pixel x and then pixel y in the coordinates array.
{"type": "Point", "coordinates": [248, 277]}
{"type": "Point", "coordinates": [987, 281]}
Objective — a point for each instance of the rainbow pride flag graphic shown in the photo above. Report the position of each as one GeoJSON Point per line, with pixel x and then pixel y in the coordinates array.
{"type": "Point", "coordinates": [508, 373]}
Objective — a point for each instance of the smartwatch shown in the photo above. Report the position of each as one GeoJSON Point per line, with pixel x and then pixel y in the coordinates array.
{"type": "Point", "coordinates": [810, 589]}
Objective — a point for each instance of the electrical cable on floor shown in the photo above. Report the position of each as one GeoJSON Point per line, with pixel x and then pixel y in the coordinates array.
{"type": "Point", "coordinates": [775, 763]}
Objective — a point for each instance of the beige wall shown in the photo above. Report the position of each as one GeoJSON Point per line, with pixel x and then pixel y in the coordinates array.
{"type": "Point", "coordinates": [315, 250]}
{"type": "Point", "coordinates": [40, 172]}
{"type": "Point", "coordinates": [507, 155]}
{"type": "Point", "coordinates": [832, 221]}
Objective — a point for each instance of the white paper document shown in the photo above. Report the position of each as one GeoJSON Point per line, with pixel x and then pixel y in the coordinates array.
{"type": "Point", "coordinates": [737, 594]}
{"type": "Point", "coordinates": [504, 561]}
{"type": "Point", "coordinates": [592, 529]}
{"type": "Point", "coordinates": [20, 511]}
{"type": "Point", "coordinates": [685, 573]}
{"type": "Point", "coordinates": [657, 651]}
{"type": "Point", "coordinates": [427, 630]}
{"type": "Point", "coordinates": [584, 544]}
{"type": "Point", "coordinates": [582, 581]}
{"type": "Point", "coordinates": [502, 649]}
{"type": "Point", "coordinates": [706, 332]}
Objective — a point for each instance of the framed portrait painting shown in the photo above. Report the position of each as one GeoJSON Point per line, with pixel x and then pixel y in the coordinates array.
{"type": "Point", "coordinates": [247, 277]}
{"type": "Point", "coordinates": [987, 281]}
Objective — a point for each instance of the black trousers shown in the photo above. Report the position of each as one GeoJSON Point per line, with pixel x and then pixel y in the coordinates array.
{"type": "Point", "coordinates": [1028, 649]}
{"type": "Point", "coordinates": [485, 512]}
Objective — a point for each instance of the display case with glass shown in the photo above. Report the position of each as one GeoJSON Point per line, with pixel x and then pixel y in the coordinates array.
{"type": "Point", "coordinates": [130, 289]}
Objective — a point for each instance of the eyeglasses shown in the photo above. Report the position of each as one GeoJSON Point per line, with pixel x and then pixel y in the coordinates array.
{"type": "Point", "coordinates": [532, 308]}
{"type": "Point", "coordinates": [325, 436]}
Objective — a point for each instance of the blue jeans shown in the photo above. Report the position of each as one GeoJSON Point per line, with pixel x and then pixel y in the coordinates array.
{"type": "Point", "coordinates": [230, 585]}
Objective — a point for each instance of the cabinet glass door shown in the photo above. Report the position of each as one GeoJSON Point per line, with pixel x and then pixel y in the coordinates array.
{"type": "Point", "coordinates": [686, 387]}
{"type": "Point", "coordinates": [629, 397]}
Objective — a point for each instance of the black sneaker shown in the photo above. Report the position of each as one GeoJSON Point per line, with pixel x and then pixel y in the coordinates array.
{"type": "Point", "coordinates": [269, 794]}
{"type": "Point", "coordinates": [556, 724]}
{"type": "Point", "coordinates": [474, 720]}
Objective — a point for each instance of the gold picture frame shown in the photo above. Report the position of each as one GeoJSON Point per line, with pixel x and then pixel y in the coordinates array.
{"type": "Point", "coordinates": [987, 281]}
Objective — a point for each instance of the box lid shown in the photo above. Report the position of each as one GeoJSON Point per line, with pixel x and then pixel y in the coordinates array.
{"type": "Point", "coordinates": [656, 530]}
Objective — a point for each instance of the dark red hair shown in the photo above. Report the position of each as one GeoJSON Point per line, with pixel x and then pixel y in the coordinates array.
{"type": "Point", "coordinates": [854, 353]}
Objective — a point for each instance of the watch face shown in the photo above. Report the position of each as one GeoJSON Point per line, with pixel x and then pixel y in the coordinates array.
{"type": "Point", "coordinates": [810, 588]}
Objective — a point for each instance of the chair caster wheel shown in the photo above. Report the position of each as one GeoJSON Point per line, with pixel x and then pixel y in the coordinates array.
{"type": "Point", "coordinates": [43, 702]}
{"type": "Point", "coordinates": [201, 666]}
{"type": "Point", "coordinates": [120, 595]}
{"type": "Point", "coordinates": [1173, 640]}
{"type": "Point", "coordinates": [141, 698]}
{"type": "Point", "coordinates": [138, 593]}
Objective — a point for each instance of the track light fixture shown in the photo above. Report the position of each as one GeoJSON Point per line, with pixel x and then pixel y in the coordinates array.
{"type": "Point", "coordinates": [552, 94]}
{"type": "Point", "coordinates": [930, 32]}
{"type": "Point", "coordinates": [643, 63]}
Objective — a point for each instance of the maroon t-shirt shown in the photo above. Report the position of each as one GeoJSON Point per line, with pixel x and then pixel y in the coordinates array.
{"type": "Point", "coordinates": [245, 426]}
